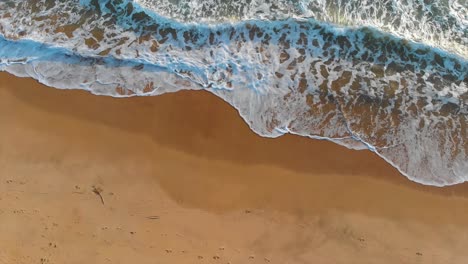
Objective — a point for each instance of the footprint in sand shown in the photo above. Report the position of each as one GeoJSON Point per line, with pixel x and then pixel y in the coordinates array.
{"type": "Point", "coordinates": [3, 258]}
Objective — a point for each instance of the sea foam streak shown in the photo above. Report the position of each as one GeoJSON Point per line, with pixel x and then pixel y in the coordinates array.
{"type": "Point", "coordinates": [358, 86]}
{"type": "Point", "coordinates": [441, 23]}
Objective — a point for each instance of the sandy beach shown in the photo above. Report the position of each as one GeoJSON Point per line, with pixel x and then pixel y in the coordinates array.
{"type": "Point", "coordinates": [180, 178]}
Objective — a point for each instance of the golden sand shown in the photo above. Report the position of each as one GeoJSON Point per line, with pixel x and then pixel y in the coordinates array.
{"type": "Point", "coordinates": [184, 180]}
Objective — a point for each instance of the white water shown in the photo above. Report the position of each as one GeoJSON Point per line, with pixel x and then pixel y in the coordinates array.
{"type": "Point", "coordinates": [358, 87]}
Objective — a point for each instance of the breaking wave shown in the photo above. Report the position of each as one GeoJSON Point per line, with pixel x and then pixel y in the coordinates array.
{"type": "Point", "coordinates": [367, 75]}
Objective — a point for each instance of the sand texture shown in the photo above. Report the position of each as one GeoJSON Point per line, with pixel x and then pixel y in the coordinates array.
{"type": "Point", "coordinates": [180, 178]}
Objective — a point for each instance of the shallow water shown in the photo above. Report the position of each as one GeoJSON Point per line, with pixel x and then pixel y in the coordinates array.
{"type": "Point", "coordinates": [389, 76]}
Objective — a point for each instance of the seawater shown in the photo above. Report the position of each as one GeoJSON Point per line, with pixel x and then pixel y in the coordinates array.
{"type": "Point", "coordinates": [390, 76]}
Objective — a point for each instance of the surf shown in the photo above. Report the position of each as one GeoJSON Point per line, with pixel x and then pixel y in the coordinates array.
{"type": "Point", "coordinates": [358, 86]}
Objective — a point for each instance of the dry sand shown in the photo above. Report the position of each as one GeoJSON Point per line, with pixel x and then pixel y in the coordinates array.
{"type": "Point", "coordinates": [184, 180]}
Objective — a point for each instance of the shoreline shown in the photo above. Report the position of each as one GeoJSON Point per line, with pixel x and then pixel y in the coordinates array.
{"type": "Point", "coordinates": [190, 159]}
{"type": "Point", "coordinates": [456, 188]}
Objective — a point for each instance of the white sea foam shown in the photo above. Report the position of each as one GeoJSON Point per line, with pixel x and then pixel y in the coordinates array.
{"type": "Point", "coordinates": [358, 87]}
{"type": "Point", "coordinates": [440, 23]}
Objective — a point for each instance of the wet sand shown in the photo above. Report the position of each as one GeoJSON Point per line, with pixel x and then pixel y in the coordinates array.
{"type": "Point", "coordinates": [184, 180]}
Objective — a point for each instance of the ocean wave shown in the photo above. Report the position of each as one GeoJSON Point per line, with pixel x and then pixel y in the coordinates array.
{"type": "Point", "coordinates": [440, 23]}
{"type": "Point", "coordinates": [360, 87]}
